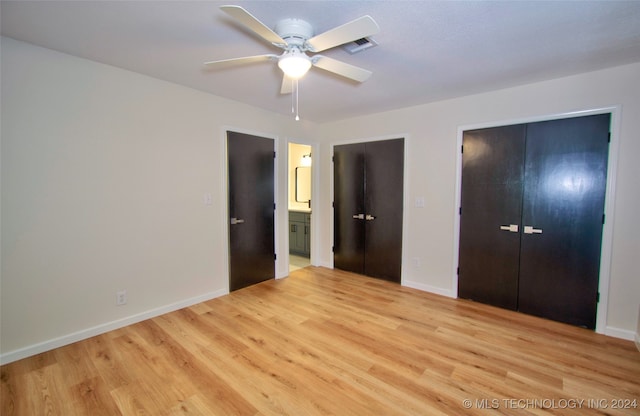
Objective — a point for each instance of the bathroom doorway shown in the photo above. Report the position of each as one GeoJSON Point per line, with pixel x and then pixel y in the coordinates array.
{"type": "Point", "coordinates": [299, 206]}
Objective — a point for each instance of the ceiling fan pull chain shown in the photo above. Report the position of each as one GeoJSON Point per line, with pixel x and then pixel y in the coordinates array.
{"type": "Point", "coordinates": [293, 105]}
{"type": "Point", "coordinates": [297, 101]}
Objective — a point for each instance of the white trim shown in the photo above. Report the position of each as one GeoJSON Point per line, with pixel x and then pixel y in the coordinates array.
{"type": "Point", "coordinates": [428, 288]}
{"type": "Point", "coordinates": [607, 235]}
{"type": "Point", "coordinates": [316, 169]}
{"type": "Point", "coordinates": [34, 349]}
{"type": "Point", "coordinates": [637, 341]}
{"type": "Point", "coordinates": [618, 333]}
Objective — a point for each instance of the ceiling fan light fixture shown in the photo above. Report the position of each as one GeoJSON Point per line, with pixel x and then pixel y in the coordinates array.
{"type": "Point", "coordinates": [295, 64]}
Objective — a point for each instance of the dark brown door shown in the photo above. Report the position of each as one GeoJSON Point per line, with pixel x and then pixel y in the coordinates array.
{"type": "Point", "coordinates": [531, 217]}
{"type": "Point", "coordinates": [348, 207]}
{"type": "Point", "coordinates": [251, 209]}
{"type": "Point", "coordinates": [384, 177]}
{"type": "Point", "coordinates": [491, 200]}
{"type": "Point", "coordinates": [368, 205]}
{"type": "Point", "coordinates": [564, 192]}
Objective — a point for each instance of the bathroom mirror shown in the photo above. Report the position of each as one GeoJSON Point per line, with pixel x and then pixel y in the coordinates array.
{"type": "Point", "coordinates": [303, 184]}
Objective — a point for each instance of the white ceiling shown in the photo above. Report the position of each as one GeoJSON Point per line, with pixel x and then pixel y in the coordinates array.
{"type": "Point", "coordinates": [428, 50]}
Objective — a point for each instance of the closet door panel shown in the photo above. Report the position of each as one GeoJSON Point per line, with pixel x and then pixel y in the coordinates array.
{"type": "Point", "coordinates": [492, 175]}
{"type": "Point", "coordinates": [565, 180]}
{"type": "Point", "coordinates": [349, 232]}
{"type": "Point", "coordinates": [384, 176]}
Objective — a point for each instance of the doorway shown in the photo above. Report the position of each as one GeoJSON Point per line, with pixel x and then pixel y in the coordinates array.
{"type": "Point", "coordinates": [299, 205]}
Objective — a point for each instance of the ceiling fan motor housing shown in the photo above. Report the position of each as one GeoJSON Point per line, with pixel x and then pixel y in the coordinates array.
{"type": "Point", "coordinates": [294, 31]}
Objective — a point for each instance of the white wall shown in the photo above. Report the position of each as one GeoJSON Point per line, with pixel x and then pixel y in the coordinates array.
{"type": "Point", "coordinates": [104, 170]}
{"type": "Point", "coordinates": [432, 150]}
{"type": "Point", "coordinates": [103, 177]}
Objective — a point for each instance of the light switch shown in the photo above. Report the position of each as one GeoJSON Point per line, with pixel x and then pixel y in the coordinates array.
{"type": "Point", "coordinates": [420, 202]}
{"type": "Point", "coordinates": [207, 199]}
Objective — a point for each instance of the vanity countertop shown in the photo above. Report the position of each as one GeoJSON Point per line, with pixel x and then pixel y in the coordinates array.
{"type": "Point", "coordinates": [305, 211]}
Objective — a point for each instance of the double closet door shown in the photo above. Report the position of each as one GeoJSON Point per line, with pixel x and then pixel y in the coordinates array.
{"type": "Point", "coordinates": [532, 213]}
{"type": "Point", "coordinates": [368, 204]}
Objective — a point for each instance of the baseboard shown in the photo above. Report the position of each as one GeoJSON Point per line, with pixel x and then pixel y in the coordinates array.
{"type": "Point", "coordinates": [25, 352]}
{"type": "Point", "coordinates": [609, 330]}
{"type": "Point", "coordinates": [619, 333]}
{"type": "Point", "coordinates": [428, 288]}
{"type": "Point", "coordinates": [326, 264]}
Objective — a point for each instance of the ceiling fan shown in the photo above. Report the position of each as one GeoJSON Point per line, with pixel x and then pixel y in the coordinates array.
{"type": "Point", "coordinates": [296, 37]}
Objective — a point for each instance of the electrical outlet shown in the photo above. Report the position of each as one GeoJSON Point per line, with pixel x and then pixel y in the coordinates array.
{"type": "Point", "coordinates": [121, 297]}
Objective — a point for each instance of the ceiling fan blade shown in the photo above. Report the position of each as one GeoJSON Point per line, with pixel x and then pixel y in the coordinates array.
{"type": "Point", "coordinates": [341, 68]}
{"type": "Point", "coordinates": [287, 85]}
{"type": "Point", "coordinates": [250, 21]}
{"type": "Point", "coordinates": [224, 63]}
{"type": "Point", "coordinates": [354, 30]}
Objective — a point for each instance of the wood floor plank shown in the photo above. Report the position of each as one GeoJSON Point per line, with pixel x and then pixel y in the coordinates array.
{"type": "Point", "coordinates": [328, 342]}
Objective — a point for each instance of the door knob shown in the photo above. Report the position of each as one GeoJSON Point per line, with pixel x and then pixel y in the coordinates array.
{"type": "Point", "coordinates": [513, 228]}
{"type": "Point", "coordinates": [530, 230]}
{"type": "Point", "coordinates": [369, 217]}
{"type": "Point", "coordinates": [235, 221]}
{"type": "Point", "coordinates": [358, 216]}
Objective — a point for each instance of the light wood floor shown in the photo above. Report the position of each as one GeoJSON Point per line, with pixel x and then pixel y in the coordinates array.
{"type": "Point", "coordinates": [325, 342]}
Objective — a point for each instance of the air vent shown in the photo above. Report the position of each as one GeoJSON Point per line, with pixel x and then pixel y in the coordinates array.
{"type": "Point", "coordinates": [360, 45]}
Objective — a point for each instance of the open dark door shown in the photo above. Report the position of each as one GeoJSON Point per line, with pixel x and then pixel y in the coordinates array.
{"type": "Point", "coordinates": [562, 218]}
{"type": "Point", "coordinates": [251, 209]}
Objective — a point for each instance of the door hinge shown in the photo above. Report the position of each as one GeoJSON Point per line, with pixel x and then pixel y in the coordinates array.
{"type": "Point", "coordinates": [274, 154]}
{"type": "Point", "coordinates": [460, 211]}
{"type": "Point", "coordinates": [275, 256]}
{"type": "Point", "coordinates": [333, 158]}
{"type": "Point", "coordinates": [274, 206]}
{"type": "Point", "coordinates": [458, 271]}
{"type": "Point", "coordinates": [333, 249]}
{"type": "Point", "coordinates": [598, 297]}
{"type": "Point", "coordinates": [609, 137]}
{"type": "Point", "coordinates": [603, 218]}
{"type": "Point", "coordinates": [462, 149]}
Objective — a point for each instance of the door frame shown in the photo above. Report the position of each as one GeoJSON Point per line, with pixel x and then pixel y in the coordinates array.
{"type": "Point", "coordinates": [609, 208]}
{"type": "Point", "coordinates": [405, 192]}
{"type": "Point", "coordinates": [224, 193]}
{"type": "Point", "coordinates": [315, 203]}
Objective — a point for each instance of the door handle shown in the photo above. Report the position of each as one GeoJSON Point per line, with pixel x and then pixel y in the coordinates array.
{"type": "Point", "coordinates": [513, 228]}
{"type": "Point", "coordinates": [530, 230]}
{"type": "Point", "coordinates": [358, 216]}
{"type": "Point", "coordinates": [369, 217]}
{"type": "Point", "coordinates": [235, 221]}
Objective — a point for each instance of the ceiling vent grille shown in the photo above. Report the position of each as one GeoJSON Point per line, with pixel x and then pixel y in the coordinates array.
{"type": "Point", "coordinates": [360, 45]}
